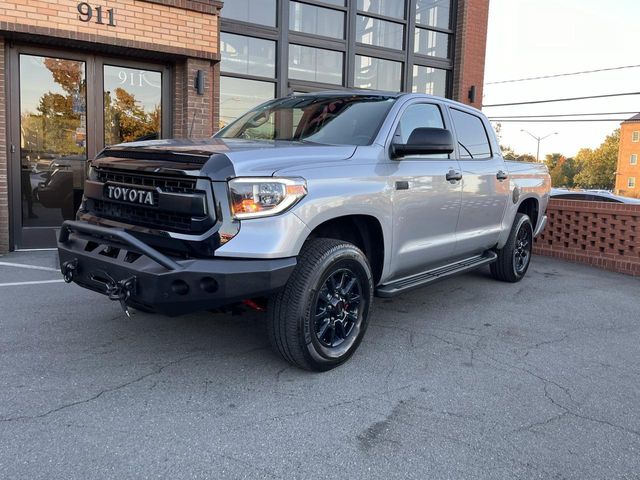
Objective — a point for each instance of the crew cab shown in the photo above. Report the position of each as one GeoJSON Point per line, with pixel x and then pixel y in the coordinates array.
{"type": "Point", "coordinates": [312, 205]}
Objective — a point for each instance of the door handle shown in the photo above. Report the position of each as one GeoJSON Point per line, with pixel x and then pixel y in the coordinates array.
{"type": "Point", "coordinates": [501, 175]}
{"type": "Point", "coordinates": [453, 176]}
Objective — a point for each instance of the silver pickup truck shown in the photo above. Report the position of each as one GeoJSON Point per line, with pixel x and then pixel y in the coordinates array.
{"type": "Point", "coordinates": [308, 206]}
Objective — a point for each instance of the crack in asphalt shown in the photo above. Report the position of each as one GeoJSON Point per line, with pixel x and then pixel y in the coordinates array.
{"type": "Point", "coordinates": [147, 375]}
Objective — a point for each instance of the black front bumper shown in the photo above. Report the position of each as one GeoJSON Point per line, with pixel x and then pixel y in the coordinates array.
{"type": "Point", "coordinates": [97, 258]}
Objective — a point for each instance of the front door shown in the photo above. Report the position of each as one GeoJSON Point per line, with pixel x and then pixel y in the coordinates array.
{"type": "Point", "coordinates": [425, 204]}
{"type": "Point", "coordinates": [64, 108]}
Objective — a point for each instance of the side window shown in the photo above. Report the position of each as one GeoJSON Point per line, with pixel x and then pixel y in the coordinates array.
{"type": "Point", "coordinates": [472, 136]}
{"type": "Point", "coordinates": [418, 115]}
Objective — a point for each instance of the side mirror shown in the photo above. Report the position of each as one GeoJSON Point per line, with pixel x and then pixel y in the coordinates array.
{"type": "Point", "coordinates": [424, 141]}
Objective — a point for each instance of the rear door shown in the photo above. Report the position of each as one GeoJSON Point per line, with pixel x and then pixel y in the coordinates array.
{"type": "Point", "coordinates": [485, 184]}
{"type": "Point", "coordinates": [425, 203]}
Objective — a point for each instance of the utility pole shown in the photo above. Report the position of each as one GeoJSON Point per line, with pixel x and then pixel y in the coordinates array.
{"type": "Point", "coordinates": [538, 139]}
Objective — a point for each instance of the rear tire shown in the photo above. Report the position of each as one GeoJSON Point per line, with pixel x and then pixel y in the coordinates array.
{"type": "Point", "coordinates": [514, 258]}
{"type": "Point", "coordinates": [317, 321]}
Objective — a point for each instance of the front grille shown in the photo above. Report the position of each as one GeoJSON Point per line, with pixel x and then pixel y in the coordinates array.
{"type": "Point", "coordinates": [166, 184]}
{"type": "Point", "coordinates": [145, 217]}
{"type": "Point", "coordinates": [153, 217]}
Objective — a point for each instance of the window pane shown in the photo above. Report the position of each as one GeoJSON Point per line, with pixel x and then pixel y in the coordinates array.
{"type": "Point", "coordinates": [379, 32]}
{"type": "Point", "coordinates": [315, 65]}
{"type": "Point", "coordinates": [432, 81]}
{"type": "Point", "coordinates": [420, 115]}
{"type": "Point", "coordinates": [53, 146]}
{"type": "Point", "coordinates": [472, 137]}
{"type": "Point", "coordinates": [433, 44]}
{"type": "Point", "coordinates": [433, 13]}
{"type": "Point", "coordinates": [238, 95]}
{"type": "Point", "coordinates": [247, 55]}
{"type": "Point", "coordinates": [132, 104]}
{"type": "Point", "coordinates": [378, 74]}
{"type": "Point", "coordinates": [262, 12]}
{"type": "Point", "coordinates": [339, 3]}
{"type": "Point", "coordinates": [388, 8]}
{"type": "Point", "coordinates": [316, 20]}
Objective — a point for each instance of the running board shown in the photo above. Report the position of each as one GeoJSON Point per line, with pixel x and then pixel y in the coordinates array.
{"type": "Point", "coordinates": [421, 279]}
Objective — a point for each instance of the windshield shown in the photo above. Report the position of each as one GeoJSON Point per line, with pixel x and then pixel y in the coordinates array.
{"type": "Point", "coordinates": [334, 120]}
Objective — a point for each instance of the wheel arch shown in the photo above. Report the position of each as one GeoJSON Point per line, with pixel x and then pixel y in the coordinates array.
{"type": "Point", "coordinates": [364, 231]}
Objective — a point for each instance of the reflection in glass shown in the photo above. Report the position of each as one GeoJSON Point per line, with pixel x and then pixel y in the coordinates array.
{"type": "Point", "coordinates": [132, 104]}
{"type": "Point", "coordinates": [378, 74]}
{"type": "Point", "coordinates": [316, 20]}
{"type": "Point", "coordinates": [433, 44]}
{"type": "Point", "coordinates": [380, 33]}
{"type": "Point", "coordinates": [53, 148]}
{"type": "Point", "coordinates": [315, 64]}
{"type": "Point", "coordinates": [432, 81]}
{"type": "Point", "coordinates": [388, 8]}
{"type": "Point", "coordinates": [239, 95]}
{"type": "Point", "coordinates": [433, 13]}
{"type": "Point", "coordinates": [247, 55]}
{"type": "Point", "coordinates": [262, 12]}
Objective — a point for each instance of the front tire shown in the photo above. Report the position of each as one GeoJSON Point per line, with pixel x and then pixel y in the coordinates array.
{"type": "Point", "coordinates": [318, 319]}
{"type": "Point", "coordinates": [514, 258]}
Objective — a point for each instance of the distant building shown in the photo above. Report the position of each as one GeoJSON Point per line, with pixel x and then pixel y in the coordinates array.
{"type": "Point", "coordinates": [628, 171]}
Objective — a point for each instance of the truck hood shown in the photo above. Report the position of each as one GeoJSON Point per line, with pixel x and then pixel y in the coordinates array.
{"type": "Point", "coordinates": [220, 159]}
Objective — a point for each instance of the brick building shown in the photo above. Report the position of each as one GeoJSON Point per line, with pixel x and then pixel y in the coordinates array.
{"type": "Point", "coordinates": [76, 76]}
{"type": "Point", "coordinates": [628, 171]}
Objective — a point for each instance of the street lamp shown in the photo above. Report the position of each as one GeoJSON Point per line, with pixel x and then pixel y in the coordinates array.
{"type": "Point", "coordinates": [538, 139]}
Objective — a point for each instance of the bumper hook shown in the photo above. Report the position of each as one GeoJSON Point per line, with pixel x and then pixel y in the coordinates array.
{"type": "Point", "coordinates": [68, 269]}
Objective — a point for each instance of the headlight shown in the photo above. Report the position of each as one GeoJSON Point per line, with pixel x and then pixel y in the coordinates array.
{"type": "Point", "coordinates": [262, 197]}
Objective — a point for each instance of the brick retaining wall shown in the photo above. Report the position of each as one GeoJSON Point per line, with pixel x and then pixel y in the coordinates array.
{"type": "Point", "coordinates": [606, 235]}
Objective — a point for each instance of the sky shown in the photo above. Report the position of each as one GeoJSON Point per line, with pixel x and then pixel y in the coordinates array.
{"type": "Point", "coordinates": [529, 38]}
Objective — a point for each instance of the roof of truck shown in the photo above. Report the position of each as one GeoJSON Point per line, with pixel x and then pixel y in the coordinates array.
{"type": "Point", "coordinates": [381, 93]}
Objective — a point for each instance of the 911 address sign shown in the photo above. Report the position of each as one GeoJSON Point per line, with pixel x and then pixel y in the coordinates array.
{"type": "Point", "coordinates": [97, 14]}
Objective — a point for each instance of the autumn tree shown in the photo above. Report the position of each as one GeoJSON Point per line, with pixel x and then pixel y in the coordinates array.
{"type": "Point", "coordinates": [126, 120]}
{"type": "Point", "coordinates": [598, 167]}
{"type": "Point", "coordinates": [562, 170]}
{"type": "Point", "coordinates": [509, 154]}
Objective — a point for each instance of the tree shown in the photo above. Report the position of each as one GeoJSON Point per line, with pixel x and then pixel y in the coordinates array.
{"type": "Point", "coordinates": [562, 170]}
{"type": "Point", "coordinates": [126, 120]}
{"type": "Point", "coordinates": [598, 167]}
{"type": "Point", "coordinates": [509, 154]}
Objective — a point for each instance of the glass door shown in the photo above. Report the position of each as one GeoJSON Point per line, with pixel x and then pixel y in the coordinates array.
{"type": "Point", "coordinates": [64, 108]}
{"type": "Point", "coordinates": [132, 104]}
{"type": "Point", "coordinates": [52, 144]}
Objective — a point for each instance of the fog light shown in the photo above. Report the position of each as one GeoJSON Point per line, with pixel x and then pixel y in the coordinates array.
{"type": "Point", "coordinates": [180, 287]}
{"type": "Point", "coordinates": [209, 285]}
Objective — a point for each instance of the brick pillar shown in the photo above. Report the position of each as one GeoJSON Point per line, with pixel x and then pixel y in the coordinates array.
{"type": "Point", "coordinates": [193, 113]}
{"type": "Point", "coordinates": [4, 190]}
{"type": "Point", "coordinates": [471, 45]}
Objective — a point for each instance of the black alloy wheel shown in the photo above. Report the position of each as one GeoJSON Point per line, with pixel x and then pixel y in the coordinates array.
{"type": "Point", "coordinates": [319, 318]}
{"type": "Point", "coordinates": [522, 250]}
{"type": "Point", "coordinates": [337, 308]}
{"type": "Point", "coordinates": [515, 257]}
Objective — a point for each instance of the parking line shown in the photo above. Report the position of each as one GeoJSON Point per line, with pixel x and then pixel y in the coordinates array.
{"type": "Point", "coordinates": [32, 267]}
{"type": "Point", "coordinates": [14, 284]}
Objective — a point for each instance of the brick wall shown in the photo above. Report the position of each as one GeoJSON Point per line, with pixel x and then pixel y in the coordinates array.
{"type": "Point", "coordinates": [193, 113]}
{"type": "Point", "coordinates": [4, 192]}
{"type": "Point", "coordinates": [470, 50]}
{"type": "Point", "coordinates": [606, 235]}
{"type": "Point", "coordinates": [186, 27]}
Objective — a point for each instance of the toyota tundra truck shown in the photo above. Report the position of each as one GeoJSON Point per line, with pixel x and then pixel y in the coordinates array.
{"type": "Point", "coordinates": [309, 205]}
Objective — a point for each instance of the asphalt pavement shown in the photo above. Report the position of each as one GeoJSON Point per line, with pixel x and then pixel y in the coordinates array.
{"type": "Point", "coordinates": [467, 379]}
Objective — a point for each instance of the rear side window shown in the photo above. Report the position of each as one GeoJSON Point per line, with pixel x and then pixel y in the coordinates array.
{"type": "Point", "coordinates": [472, 137]}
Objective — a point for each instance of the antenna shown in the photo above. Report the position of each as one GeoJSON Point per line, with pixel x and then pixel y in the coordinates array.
{"type": "Point", "coordinates": [193, 120]}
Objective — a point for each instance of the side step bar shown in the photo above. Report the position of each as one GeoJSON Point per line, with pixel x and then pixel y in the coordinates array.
{"type": "Point", "coordinates": [421, 279]}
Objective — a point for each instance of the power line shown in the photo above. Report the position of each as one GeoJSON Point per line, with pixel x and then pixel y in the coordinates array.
{"type": "Point", "coordinates": [563, 99]}
{"type": "Point", "coordinates": [567, 115]}
{"type": "Point", "coordinates": [562, 75]}
{"type": "Point", "coordinates": [572, 120]}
